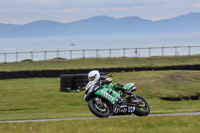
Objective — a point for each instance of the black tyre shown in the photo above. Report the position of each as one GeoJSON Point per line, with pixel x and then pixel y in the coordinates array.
{"type": "Point", "coordinates": [38, 74]}
{"type": "Point", "coordinates": [46, 73]}
{"type": "Point", "coordinates": [24, 74]}
{"type": "Point", "coordinates": [65, 89]}
{"type": "Point", "coordinates": [30, 74]}
{"type": "Point", "coordinates": [80, 76]}
{"type": "Point", "coordinates": [8, 75]}
{"type": "Point", "coordinates": [66, 76]}
{"type": "Point", "coordinates": [66, 84]}
{"type": "Point", "coordinates": [81, 80]}
{"type": "Point", "coordinates": [143, 109]}
{"type": "Point", "coordinates": [62, 80]}
{"type": "Point", "coordinates": [99, 111]}
{"type": "Point", "coordinates": [16, 74]}
{"type": "Point", "coordinates": [1, 75]}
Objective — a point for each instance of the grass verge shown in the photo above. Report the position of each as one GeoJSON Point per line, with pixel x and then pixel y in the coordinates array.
{"type": "Point", "coordinates": [164, 124]}
{"type": "Point", "coordinates": [39, 98]}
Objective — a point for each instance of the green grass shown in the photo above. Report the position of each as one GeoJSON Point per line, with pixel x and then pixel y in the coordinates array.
{"type": "Point", "coordinates": [100, 63]}
{"type": "Point", "coordinates": [164, 124]}
{"type": "Point", "coordinates": [39, 98]}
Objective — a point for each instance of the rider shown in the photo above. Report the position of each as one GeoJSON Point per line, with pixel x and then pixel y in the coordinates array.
{"type": "Point", "coordinates": [94, 75]}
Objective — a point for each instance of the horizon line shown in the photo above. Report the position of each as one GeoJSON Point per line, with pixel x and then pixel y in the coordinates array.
{"type": "Point", "coordinates": [93, 17]}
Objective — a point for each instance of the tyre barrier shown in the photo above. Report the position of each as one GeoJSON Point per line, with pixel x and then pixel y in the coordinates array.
{"type": "Point", "coordinates": [57, 73]}
{"type": "Point", "coordinates": [196, 97]}
{"type": "Point", "coordinates": [73, 81]}
{"type": "Point", "coordinates": [80, 81]}
{"type": "Point", "coordinates": [66, 82]}
{"type": "Point", "coordinates": [193, 97]}
{"type": "Point", "coordinates": [32, 74]}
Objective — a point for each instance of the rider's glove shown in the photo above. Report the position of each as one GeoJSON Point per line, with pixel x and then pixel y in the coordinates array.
{"type": "Point", "coordinates": [103, 77]}
{"type": "Point", "coordinates": [118, 86]}
{"type": "Point", "coordinates": [109, 80]}
{"type": "Point", "coordinates": [106, 81]}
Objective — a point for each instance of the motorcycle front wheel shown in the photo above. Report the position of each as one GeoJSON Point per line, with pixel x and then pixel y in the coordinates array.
{"type": "Point", "coordinates": [99, 110]}
{"type": "Point", "coordinates": [142, 109]}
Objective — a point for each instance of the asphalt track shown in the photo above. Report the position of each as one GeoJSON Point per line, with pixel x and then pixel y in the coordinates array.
{"type": "Point", "coordinates": [87, 118]}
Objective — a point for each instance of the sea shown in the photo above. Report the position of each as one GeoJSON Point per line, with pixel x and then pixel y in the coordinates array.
{"type": "Point", "coordinates": [69, 47]}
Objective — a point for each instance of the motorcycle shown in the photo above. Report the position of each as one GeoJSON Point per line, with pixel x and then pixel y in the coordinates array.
{"type": "Point", "coordinates": [104, 100]}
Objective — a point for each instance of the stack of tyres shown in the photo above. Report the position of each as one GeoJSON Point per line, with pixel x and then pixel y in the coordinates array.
{"type": "Point", "coordinates": [80, 81]}
{"type": "Point", "coordinates": [75, 82]}
{"type": "Point", "coordinates": [66, 82]}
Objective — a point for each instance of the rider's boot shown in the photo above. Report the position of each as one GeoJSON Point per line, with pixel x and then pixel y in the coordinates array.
{"type": "Point", "coordinates": [132, 96]}
{"type": "Point", "coordinates": [116, 107]}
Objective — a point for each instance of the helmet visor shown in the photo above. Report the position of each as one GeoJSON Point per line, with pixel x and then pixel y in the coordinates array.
{"type": "Point", "coordinates": [91, 78]}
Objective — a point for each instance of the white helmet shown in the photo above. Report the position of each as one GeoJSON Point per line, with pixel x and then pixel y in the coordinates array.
{"type": "Point", "coordinates": [94, 75]}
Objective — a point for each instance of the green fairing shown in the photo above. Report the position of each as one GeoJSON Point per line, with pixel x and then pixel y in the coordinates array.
{"type": "Point", "coordinates": [108, 93]}
{"type": "Point", "coordinates": [129, 86]}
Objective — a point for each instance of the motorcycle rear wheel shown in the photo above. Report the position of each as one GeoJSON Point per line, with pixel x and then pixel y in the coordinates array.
{"type": "Point", "coordinates": [142, 111]}
{"type": "Point", "coordinates": [99, 111]}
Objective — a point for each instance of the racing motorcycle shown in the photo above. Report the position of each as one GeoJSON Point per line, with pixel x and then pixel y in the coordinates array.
{"type": "Point", "coordinates": [104, 100]}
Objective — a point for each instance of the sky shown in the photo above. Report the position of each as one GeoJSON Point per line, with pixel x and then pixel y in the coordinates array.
{"type": "Point", "coordinates": [64, 11]}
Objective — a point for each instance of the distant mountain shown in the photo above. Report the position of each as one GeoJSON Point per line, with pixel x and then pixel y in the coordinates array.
{"type": "Point", "coordinates": [185, 23]}
{"type": "Point", "coordinates": [103, 25]}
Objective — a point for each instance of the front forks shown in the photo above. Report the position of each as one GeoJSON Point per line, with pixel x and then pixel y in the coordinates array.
{"type": "Point", "coordinates": [99, 102]}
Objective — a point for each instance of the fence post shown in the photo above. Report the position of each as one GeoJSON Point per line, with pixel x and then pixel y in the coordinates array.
{"type": "Point", "coordinates": [57, 53]}
{"type": "Point", "coordinates": [5, 57]}
{"type": "Point", "coordinates": [45, 55]}
{"type": "Point", "coordinates": [83, 54]}
{"type": "Point", "coordinates": [136, 52]}
{"type": "Point", "coordinates": [16, 56]}
{"type": "Point", "coordinates": [188, 50]}
{"type": "Point", "coordinates": [175, 50]}
{"type": "Point", "coordinates": [70, 52]}
{"type": "Point", "coordinates": [149, 52]}
{"type": "Point", "coordinates": [96, 54]}
{"type": "Point", "coordinates": [110, 53]}
{"type": "Point", "coordinates": [162, 51]}
{"type": "Point", "coordinates": [124, 53]}
{"type": "Point", "coordinates": [32, 55]}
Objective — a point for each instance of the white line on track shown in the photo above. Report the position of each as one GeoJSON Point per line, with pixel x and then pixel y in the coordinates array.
{"type": "Point", "coordinates": [87, 118]}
